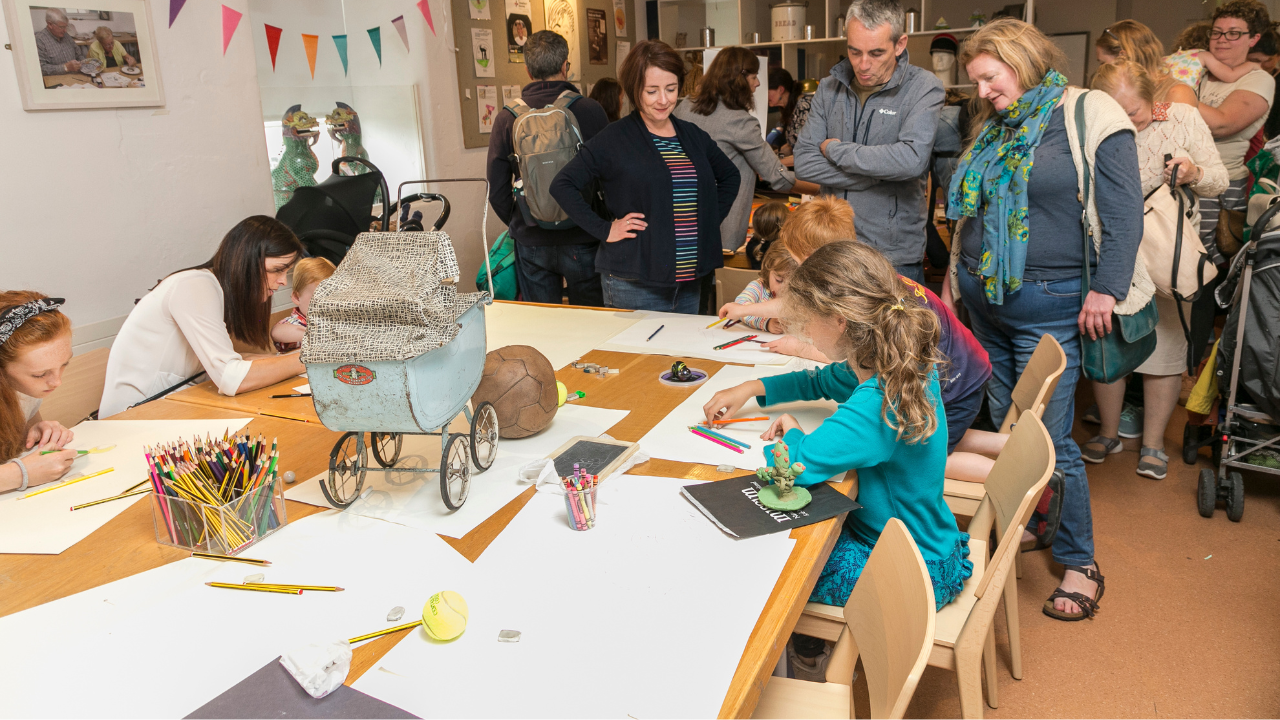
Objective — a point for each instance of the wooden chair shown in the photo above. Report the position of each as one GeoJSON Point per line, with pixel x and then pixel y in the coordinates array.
{"type": "Point", "coordinates": [730, 282]}
{"type": "Point", "coordinates": [888, 621]}
{"type": "Point", "coordinates": [1036, 384]}
{"type": "Point", "coordinates": [81, 390]}
{"type": "Point", "coordinates": [964, 640]}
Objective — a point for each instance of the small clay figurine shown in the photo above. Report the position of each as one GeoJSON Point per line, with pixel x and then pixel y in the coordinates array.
{"type": "Point", "coordinates": [781, 492]}
{"type": "Point", "coordinates": [681, 372]}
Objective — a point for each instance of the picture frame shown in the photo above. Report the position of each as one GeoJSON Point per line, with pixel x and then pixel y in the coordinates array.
{"type": "Point", "coordinates": [1078, 49]}
{"type": "Point", "coordinates": [126, 75]}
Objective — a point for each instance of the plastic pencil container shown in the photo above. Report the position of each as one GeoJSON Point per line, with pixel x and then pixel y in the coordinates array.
{"type": "Point", "coordinates": [580, 507]}
{"type": "Point", "coordinates": [221, 529]}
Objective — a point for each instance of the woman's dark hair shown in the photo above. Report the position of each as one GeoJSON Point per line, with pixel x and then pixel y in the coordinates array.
{"type": "Point", "coordinates": [240, 266]}
{"type": "Point", "coordinates": [608, 93]}
{"type": "Point", "coordinates": [1252, 12]}
{"type": "Point", "coordinates": [649, 53]}
{"type": "Point", "coordinates": [780, 78]}
{"type": "Point", "coordinates": [726, 81]}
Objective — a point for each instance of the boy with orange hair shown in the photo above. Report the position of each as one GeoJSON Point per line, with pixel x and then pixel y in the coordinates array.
{"type": "Point", "coordinates": [829, 219]}
{"type": "Point", "coordinates": [307, 276]}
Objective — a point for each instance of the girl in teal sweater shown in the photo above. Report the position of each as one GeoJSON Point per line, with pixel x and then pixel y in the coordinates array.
{"type": "Point", "coordinates": [848, 301]}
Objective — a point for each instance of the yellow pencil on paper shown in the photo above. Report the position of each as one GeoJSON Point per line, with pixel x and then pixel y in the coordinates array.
{"type": "Point", "coordinates": [320, 588]}
{"type": "Point", "coordinates": [233, 586]}
{"type": "Point", "coordinates": [716, 323]}
{"type": "Point", "coordinates": [231, 558]}
{"type": "Point", "coordinates": [283, 416]}
{"type": "Point", "coordinates": [69, 482]}
{"type": "Point", "coordinates": [380, 633]}
{"type": "Point", "coordinates": [114, 497]}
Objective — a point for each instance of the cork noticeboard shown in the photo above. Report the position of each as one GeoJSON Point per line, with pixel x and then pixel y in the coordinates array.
{"type": "Point", "coordinates": [507, 73]}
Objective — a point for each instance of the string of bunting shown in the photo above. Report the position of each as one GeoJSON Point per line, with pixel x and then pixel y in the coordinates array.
{"type": "Point", "coordinates": [310, 43]}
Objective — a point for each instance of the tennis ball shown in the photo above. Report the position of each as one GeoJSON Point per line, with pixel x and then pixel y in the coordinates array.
{"type": "Point", "coordinates": [562, 391]}
{"type": "Point", "coordinates": [445, 615]}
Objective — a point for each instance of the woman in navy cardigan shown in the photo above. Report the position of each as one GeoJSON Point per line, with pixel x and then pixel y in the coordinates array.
{"type": "Point", "coordinates": [666, 181]}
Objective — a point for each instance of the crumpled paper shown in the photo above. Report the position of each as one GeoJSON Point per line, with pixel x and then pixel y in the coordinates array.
{"type": "Point", "coordinates": [319, 668]}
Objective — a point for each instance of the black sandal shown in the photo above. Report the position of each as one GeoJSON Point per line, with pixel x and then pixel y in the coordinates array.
{"type": "Point", "coordinates": [1049, 513]}
{"type": "Point", "coordinates": [1088, 605]}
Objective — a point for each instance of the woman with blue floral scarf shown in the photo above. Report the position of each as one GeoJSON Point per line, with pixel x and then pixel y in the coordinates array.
{"type": "Point", "coordinates": [1018, 196]}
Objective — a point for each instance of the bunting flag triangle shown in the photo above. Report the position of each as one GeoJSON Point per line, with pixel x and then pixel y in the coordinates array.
{"type": "Point", "coordinates": [273, 43]}
{"type": "Point", "coordinates": [404, 34]}
{"type": "Point", "coordinates": [425, 7]}
{"type": "Point", "coordinates": [309, 43]}
{"type": "Point", "coordinates": [175, 7]}
{"type": "Point", "coordinates": [230, 21]}
{"type": "Point", "coordinates": [340, 41]}
{"type": "Point", "coordinates": [375, 37]}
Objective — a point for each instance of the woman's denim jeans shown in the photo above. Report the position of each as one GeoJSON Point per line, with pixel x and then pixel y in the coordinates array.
{"type": "Point", "coordinates": [627, 294]}
{"type": "Point", "coordinates": [1010, 333]}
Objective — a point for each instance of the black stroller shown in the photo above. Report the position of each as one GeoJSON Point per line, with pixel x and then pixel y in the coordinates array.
{"type": "Point", "coordinates": [327, 217]}
{"type": "Point", "coordinates": [1248, 369]}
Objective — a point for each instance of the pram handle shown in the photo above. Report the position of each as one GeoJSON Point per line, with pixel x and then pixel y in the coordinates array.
{"type": "Point", "coordinates": [416, 197]}
{"type": "Point", "coordinates": [484, 218]}
{"type": "Point", "coordinates": [382, 180]}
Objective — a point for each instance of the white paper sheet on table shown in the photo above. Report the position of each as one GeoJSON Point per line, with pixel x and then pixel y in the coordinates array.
{"type": "Point", "coordinates": [562, 334]}
{"type": "Point", "coordinates": [161, 643]}
{"type": "Point", "coordinates": [44, 524]}
{"type": "Point", "coordinates": [689, 336]}
{"type": "Point", "coordinates": [650, 611]}
{"type": "Point", "coordinates": [413, 499]}
{"type": "Point", "coordinates": [670, 439]}
{"type": "Point", "coordinates": [303, 389]}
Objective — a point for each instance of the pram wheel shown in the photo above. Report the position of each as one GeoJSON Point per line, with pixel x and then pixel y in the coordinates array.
{"type": "Point", "coordinates": [386, 447]}
{"type": "Point", "coordinates": [484, 436]}
{"type": "Point", "coordinates": [347, 463]}
{"type": "Point", "coordinates": [455, 471]}
{"type": "Point", "coordinates": [1235, 496]}
{"type": "Point", "coordinates": [1190, 448]}
{"type": "Point", "coordinates": [1207, 493]}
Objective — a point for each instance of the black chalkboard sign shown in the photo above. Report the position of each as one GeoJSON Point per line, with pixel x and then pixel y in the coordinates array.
{"type": "Point", "coordinates": [596, 456]}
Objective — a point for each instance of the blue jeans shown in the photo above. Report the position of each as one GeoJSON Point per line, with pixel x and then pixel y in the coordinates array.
{"type": "Point", "coordinates": [1010, 332]}
{"type": "Point", "coordinates": [914, 271]}
{"type": "Point", "coordinates": [545, 270]}
{"type": "Point", "coordinates": [625, 294]}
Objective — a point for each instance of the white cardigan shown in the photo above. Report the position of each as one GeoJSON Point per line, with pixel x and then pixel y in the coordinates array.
{"type": "Point", "coordinates": [171, 334]}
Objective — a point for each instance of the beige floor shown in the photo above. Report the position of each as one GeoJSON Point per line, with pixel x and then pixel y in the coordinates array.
{"type": "Point", "coordinates": [1190, 624]}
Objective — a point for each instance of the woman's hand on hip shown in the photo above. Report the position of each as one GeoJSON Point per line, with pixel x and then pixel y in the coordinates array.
{"type": "Point", "coordinates": [1188, 172]}
{"type": "Point", "coordinates": [1095, 317]}
{"type": "Point", "coordinates": [626, 227]}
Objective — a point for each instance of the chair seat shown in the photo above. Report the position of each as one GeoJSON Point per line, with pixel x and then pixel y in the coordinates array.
{"type": "Point", "coordinates": [963, 489]}
{"type": "Point", "coordinates": [953, 615]}
{"type": "Point", "coordinates": [790, 698]}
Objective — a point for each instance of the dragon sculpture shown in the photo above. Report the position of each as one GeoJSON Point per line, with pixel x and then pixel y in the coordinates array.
{"type": "Point", "coordinates": [298, 164]}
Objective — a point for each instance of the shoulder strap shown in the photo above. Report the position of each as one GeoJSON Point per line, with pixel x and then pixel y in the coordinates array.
{"type": "Point", "coordinates": [517, 107]}
{"type": "Point", "coordinates": [566, 99]}
{"type": "Point", "coordinates": [1084, 209]}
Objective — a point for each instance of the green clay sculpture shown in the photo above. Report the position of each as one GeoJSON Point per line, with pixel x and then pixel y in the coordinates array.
{"type": "Point", "coordinates": [781, 492]}
{"type": "Point", "coordinates": [298, 164]}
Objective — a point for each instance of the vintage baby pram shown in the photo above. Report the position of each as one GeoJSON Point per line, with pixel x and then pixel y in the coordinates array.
{"type": "Point", "coordinates": [1248, 372]}
{"type": "Point", "coordinates": [393, 348]}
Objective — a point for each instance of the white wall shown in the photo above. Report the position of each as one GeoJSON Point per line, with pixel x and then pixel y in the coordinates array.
{"type": "Point", "coordinates": [96, 205]}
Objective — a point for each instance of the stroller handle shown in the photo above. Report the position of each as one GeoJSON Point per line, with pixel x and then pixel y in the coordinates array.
{"type": "Point", "coordinates": [484, 218]}
{"type": "Point", "coordinates": [382, 179]}
{"type": "Point", "coordinates": [1260, 225]}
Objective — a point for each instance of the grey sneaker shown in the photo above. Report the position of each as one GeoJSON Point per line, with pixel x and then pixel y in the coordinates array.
{"type": "Point", "coordinates": [1130, 421]}
{"type": "Point", "coordinates": [1098, 448]}
{"type": "Point", "coordinates": [1153, 463]}
{"type": "Point", "coordinates": [809, 669]}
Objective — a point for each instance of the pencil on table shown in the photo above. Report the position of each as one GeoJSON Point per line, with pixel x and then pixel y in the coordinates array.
{"type": "Point", "coordinates": [233, 586]}
{"type": "Point", "coordinates": [319, 588]}
{"type": "Point", "coordinates": [68, 482]}
{"type": "Point", "coordinates": [738, 420]}
{"type": "Point", "coordinates": [114, 497]}
{"type": "Point", "coordinates": [231, 558]}
{"type": "Point", "coordinates": [380, 633]}
{"type": "Point", "coordinates": [714, 440]}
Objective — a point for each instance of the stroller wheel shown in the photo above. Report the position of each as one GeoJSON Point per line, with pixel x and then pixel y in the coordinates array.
{"type": "Point", "coordinates": [1190, 448]}
{"type": "Point", "coordinates": [455, 471]}
{"type": "Point", "coordinates": [1235, 496]}
{"type": "Point", "coordinates": [1216, 449]}
{"type": "Point", "coordinates": [484, 436]}
{"type": "Point", "coordinates": [386, 447]}
{"type": "Point", "coordinates": [347, 463]}
{"type": "Point", "coordinates": [1207, 493]}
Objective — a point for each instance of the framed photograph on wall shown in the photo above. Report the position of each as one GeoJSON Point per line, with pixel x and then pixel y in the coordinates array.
{"type": "Point", "coordinates": [103, 56]}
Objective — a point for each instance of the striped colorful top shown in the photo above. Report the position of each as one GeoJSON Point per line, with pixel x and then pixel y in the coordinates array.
{"type": "Point", "coordinates": [684, 190]}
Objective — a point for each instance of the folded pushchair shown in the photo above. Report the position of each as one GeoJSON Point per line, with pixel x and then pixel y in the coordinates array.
{"type": "Point", "coordinates": [1248, 371]}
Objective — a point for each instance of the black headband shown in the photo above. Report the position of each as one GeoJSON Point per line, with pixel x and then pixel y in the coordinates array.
{"type": "Point", "coordinates": [12, 318]}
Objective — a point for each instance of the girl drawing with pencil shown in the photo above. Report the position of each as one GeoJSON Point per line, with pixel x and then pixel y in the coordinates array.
{"type": "Point", "coordinates": [35, 347]}
{"type": "Point", "coordinates": [848, 301]}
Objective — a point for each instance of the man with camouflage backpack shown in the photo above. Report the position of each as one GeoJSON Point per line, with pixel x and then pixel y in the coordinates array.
{"type": "Point", "coordinates": [531, 140]}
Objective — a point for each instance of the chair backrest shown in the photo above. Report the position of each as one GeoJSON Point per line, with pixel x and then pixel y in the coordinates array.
{"type": "Point", "coordinates": [81, 390]}
{"type": "Point", "coordinates": [1013, 488]}
{"type": "Point", "coordinates": [891, 615]}
{"type": "Point", "coordinates": [730, 282]}
{"type": "Point", "coordinates": [1038, 381]}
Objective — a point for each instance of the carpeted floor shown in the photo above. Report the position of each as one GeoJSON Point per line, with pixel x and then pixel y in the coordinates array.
{"type": "Point", "coordinates": [1189, 626]}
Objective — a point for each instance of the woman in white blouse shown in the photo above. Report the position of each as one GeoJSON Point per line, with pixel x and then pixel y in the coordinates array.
{"type": "Point", "coordinates": [187, 322]}
{"type": "Point", "coordinates": [1163, 129]}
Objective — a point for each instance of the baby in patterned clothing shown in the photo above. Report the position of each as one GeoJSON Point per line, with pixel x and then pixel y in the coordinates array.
{"type": "Point", "coordinates": [1189, 66]}
{"type": "Point", "coordinates": [287, 334]}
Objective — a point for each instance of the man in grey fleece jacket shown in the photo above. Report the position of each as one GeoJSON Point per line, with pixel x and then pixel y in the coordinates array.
{"type": "Point", "coordinates": [870, 135]}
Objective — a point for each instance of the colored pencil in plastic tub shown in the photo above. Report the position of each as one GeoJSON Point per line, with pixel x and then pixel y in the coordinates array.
{"type": "Point", "coordinates": [718, 442]}
{"type": "Point", "coordinates": [233, 586]}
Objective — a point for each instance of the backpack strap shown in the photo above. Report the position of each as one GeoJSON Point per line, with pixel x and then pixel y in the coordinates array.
{"type": "Point", "coordinates": [517, 107]}
{"type": "Point", "coordinates": [566, 99]}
